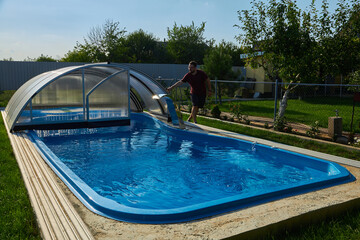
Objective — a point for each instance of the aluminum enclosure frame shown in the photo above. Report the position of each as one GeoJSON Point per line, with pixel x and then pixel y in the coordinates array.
{"type": "Point", "coordinates": [141, 90]}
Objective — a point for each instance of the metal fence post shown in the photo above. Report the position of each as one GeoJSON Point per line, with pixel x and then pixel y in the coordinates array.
{"type": "Point", "coordinates": [215, 90]}
{"type": "Point", "coordinates": [276, 98]}
{"type": "Point", "coordinates": [341, 79]}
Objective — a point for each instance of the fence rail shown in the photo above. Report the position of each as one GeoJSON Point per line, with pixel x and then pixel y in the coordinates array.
{"type": "Point", "coordinates": [309, 102]}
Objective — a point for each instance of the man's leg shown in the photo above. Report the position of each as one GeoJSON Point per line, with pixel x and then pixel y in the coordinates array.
{"type": "Point", "coordinates": [194, 112]}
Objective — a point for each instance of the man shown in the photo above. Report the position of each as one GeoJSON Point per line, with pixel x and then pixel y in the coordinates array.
{"type": "Point", "coordinates": [198, 81]}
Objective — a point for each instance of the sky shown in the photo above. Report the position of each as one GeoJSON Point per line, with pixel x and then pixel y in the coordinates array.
{"type": "Point", "coordinates": [29, 28]}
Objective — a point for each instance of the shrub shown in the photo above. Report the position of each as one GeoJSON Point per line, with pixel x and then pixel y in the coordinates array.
{"type": "Point", "coordinates": [236, 111]}
{"type": "Point", "coordinates": [215, 112]}
{"type": "Point", "coordinates": [280, 124]}
{"type": "Point", "coordinates": [314, 130]}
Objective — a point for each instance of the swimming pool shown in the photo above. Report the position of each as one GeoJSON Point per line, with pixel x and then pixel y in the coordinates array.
{"type": "Point", "coordinates": [149, 172]}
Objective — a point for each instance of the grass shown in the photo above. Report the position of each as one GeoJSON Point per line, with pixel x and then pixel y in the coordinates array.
{"type": "Point", "coordinates": [5, 97]}
{"type": "Point", "coordinates": [305, 111]}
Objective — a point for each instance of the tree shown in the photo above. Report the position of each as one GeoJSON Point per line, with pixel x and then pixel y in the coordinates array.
{"type": "Point", "coordinates": [279, 38]}
{"type": "Point", "coordinates": [44, 58]}
{"type": "Point", "coordinates": [347, 37]}
{"type": "Point", "coordinates": [77, 55]}
{"type": "Point", "coordinates": [10, 59]}
{"type": "Point", "coordinates": [354, 79]}
{"type": "Point", "coordinates": [141, 47]}
{"type": "Point", "coordinates": [187, 43]}
{"type": "Point", "coordinates": [218, 63]}
{"type": "Point", "coordinates": [105, 43]}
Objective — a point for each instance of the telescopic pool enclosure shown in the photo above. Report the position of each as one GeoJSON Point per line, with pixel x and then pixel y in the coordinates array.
{"type": "Point", "coordinates": [91, 95]}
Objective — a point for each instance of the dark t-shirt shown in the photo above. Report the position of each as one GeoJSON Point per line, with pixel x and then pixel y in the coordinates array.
{"type": "Point", "coordinates": [197, 82]}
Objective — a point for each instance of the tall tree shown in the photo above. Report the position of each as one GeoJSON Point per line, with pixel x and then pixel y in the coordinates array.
{"type": "Point", "coordinates": [278, 38]}
{"type": "Point", "coordinates": [187, 43]}
{"type": "Point", "coordinates": [103, 43]}
{"type": "Point", "coordinates": [218, 64]}
{"type": "Point", "coordinates": [347, 37]}
{"type": "Point", "coordinates": [141, 47]}
{"type": "Point", "coordinates": [218, 61]}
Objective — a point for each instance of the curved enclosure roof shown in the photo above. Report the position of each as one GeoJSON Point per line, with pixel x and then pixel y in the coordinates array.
{"type": "Point", "coordinates": [81, 96]}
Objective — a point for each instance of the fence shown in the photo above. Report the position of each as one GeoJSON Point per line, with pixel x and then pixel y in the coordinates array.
{"type": "Point", "coordinates": [306, 104]}
{"type": "Point", "coordinates": [13, 74]}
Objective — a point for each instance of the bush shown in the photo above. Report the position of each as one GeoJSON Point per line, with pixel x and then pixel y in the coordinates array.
{"type": "Point", "coordinates": [215, 112]}
{"type": "Point", "coordinates": [281, 125]}
{"type": "Point", "coordinates": [314, 130]}
{"type": "Point", "coordinates": [236, 111]}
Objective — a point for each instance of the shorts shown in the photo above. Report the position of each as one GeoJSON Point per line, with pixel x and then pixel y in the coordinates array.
{"type": "Point", "coordinates": [198, 100]}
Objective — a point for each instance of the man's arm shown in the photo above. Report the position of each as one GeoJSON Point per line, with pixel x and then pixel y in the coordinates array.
{"type": "Point", "coordinates": [208, 86]}
{"type": "Point", "coordinates": [178, 83]}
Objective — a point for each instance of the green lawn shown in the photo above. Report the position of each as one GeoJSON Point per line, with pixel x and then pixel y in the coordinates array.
{"type": "Point", "coordinates": [305, 111]}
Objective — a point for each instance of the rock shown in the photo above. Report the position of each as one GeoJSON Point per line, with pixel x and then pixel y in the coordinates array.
{"type": "Point", "coordinates": [342, 140]}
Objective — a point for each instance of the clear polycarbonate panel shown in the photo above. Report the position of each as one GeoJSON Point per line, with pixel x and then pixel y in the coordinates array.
{"type": "Point", "coordinates": [25, 116]}
{"type": "Point", "coordinates": [150, 104]}
{"type": "Point", "coordinates": [94, 76]}
{"type": "Point", "coordinates": [24, 94]}
{"type": "Point", "coordinates": [110, 100]}
{"type": "Point", "coordinates": [155, 87]}
{"type": "Point", "coordinates": [60, 101]}
{"type": "Point", "coordinates": [136, 102]}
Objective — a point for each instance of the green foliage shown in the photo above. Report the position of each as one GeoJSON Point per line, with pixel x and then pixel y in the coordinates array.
{"type": "Point", "coordinates": [5, 97]}
{"type": "Point", "coordinates": [354, 79]}
{"type": "Point", "coordinates": [77, 55]}
{"type": "Point", "coordinates": [218, 62]}
{"type": "Point", "coordinates": [314, 45]}
{"type": "Point", "coordinates": [281, 125]}
{"type": "Point", "coordinates": [215, 111]}
{"type": "Point", "coordinates": [283, 36]}
{"type": "Point", "coordinates": [187, 43]}
{"type": "Point", "coordinates": [141, 47]}
{"type": "Point", "coordinates": [314, 130]}
{"type": "Point", "coordinates": [44, 58]}
{"type": "Point", "coordinates": [103, 43]}
{"type": "Point", "coordinates": [236, 110]}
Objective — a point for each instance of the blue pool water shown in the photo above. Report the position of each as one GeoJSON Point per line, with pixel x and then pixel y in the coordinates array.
{"type": "Point", "coordinates": [149, 172]}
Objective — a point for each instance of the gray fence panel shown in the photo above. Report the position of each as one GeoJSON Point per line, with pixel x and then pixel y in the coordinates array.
{"type": "Point", "coordinates": [13, 74]}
